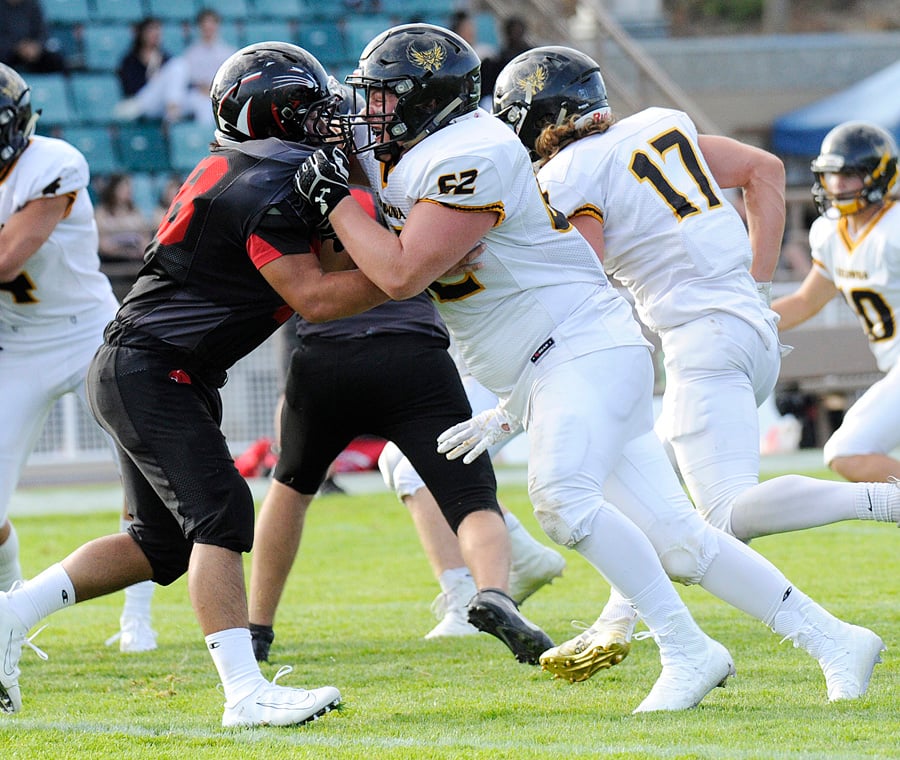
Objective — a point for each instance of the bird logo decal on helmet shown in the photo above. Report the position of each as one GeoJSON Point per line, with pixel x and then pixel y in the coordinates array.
{"type": "Point", "coordinates": [427, 60]}
{"type": "Point", "coordinates": [533, 82]}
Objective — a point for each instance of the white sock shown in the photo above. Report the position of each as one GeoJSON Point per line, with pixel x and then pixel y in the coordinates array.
{"type": "Point", "coordinates": [617, 607]}
{"type": "Point", "coordinates": [10, 569]}
{"type": "Point", "coordinates": [451, 578]}
{"type": "Point", "coordinates": [139, 595]}
{"type": "Point", "coordinates": [43, 595]}
{"type": "Point", "coordinates": [878, 501]}
{"type": "Point", "coordinates": [797, 502]}
{"type": "Point", "coordinates": [800, 619]}
{"type": "Point", "coordinates": [232, 654]}
{"type": "Point", "coordinates": [618, 549]}
{"type": "Point", "coordinates": [743, 578]}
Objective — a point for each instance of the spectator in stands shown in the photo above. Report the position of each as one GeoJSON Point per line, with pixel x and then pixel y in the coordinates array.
{"type": "Point", "coordinates": [166, 196]}
{"type": "Point", "coordinates": [144, 58]}
{"type": "Point", "coordinates": [515, 33]}
{"type": "Point", "coordinates": [23, 38]}
{"type": "Point", "coordinates": [180, 91]}
{"type": "Point", "coordinates": [463, 23]}
{"type": "Point", "coordinates": [124, 231]}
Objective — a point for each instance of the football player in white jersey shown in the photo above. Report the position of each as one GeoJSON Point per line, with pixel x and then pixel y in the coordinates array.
{"type": "Point", "coordinates": [54, 304]}
{"type": "Point", "coordinates": [541, 327]}
{"type": "Point", "coordinates": [855, 246]}
{"type": "Point", "coordinates": [646, 192]}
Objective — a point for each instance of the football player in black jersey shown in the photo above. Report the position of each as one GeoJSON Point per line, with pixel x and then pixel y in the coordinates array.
{"type": "Point", "coordinates": [232, 259]}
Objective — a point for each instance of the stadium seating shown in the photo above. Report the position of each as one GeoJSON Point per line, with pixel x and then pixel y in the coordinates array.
{"type": "Point", "coordinates": [94, 95]}
{"type": "Point", "coordinates": [96, 144]}
{"type": "Point", "coordinates": [280, 9]}
{"type": "Point", "coordinates": [141, 147]}
{"type": "Point", "coordinates": [267, 30]}
{"type": "Point", "coordinates": [95, 34]}
{"type": "Point", "coordinates": [50, 94]}
{"type": "Point", "coordinates": [104, 45]}
{"type": "Point", "coordinates": [173, 10]}
{"type": "Point", "coordinates": [188, 143]}
{"type": "Point", "coordinates": [325, 42]}
{"type": "Point", "coordinates": [65, 11]}
{"type": "Point", "coordinates": [127, 11]}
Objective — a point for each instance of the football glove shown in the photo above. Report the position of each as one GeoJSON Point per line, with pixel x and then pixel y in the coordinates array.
{"type": "Point", "coordinates": [764, 291]}
{"type": "Point", "coordinates": [323, 179]}
{"type": "Point", "coordinates": [477, 435]}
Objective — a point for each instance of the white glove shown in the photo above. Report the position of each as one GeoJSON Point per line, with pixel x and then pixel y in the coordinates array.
{"type": "Point", "coordinates": [764, 291]}
{"type": "Point", "coordinates": [477, 435]}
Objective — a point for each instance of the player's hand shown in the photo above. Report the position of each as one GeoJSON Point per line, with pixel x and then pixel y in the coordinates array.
{"type": "Point", "coordinates": [323, 179]}
{"type": "Point", "coordinates": [468, 263]}
{"type": "Point", "coordinates": [764, 291]}
{"type": "Point", "coordinates": [476, 435]}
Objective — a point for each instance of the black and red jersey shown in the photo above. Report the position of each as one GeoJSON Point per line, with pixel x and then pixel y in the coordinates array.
{"type": "Point", "coordinates": [200, 292]}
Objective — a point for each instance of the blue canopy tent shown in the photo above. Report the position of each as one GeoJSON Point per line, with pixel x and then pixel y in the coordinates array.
{"type": "Point", "coordinates": [874, 99]}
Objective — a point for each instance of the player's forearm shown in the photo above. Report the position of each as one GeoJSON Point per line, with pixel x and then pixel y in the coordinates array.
{"type": "Point", "coordinates": [377, 251]}
{"type": "Point", "coordinates": [764, 201]}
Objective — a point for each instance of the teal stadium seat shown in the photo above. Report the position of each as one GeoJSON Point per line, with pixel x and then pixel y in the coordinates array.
{"type": "Point", "coordinates": [294, 10]}
{"type": "Point", "coordinates": [361, 30]}
{"type": "Point", "coordinates": [50, 94]}
{"type": "Point", "coordinates": [104, 45]}
{"type": "Point", "coordinates": [145, 191]}
{"type": "Point", "coordinates": [96, 144]}
{"type": "Point", "coordinates": [94, 96]}
{"type": "Point", "coordinates": [233, 10]}
{"type": "Point", "coordinates": [281, 30]}
{"type": "Point", "coordinates": [66, 11]}
{"type": "Point", "coordinates": [173, 10]}
{"type": "Point", "coordinates": [141, 147]}
{"type": "Point", "coordinates": [127, 11]}
{"type": "Point", "coordinates": [188, 143]}
{"type": "Point", "coordinates": [326, 42]}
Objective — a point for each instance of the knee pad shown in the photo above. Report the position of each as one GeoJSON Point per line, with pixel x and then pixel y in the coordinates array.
{"type": "Point", "coordinates": [565, 523]}
{"type": "Point", "coordinates": [688, 555]}
{"type": "Point", "coordinates": [397, 472]}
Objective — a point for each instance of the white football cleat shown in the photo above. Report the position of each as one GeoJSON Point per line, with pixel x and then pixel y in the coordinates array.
{"type": "Point", "coordinates": [685, 680]}
{"type": "Point", "coordinates": [13, 635]}
{"type": "Point", "coordinates": [847, 658]}
{"type": "Point", "coordinates": [693, 664]}
{"type": "Point", "coordinates": [532, 567]}
{"type": "Point", "coordinates": [272, 705]}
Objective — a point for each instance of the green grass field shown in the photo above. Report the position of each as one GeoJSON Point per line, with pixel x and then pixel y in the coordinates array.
{"type": "Point", "coordinates": [354, 615]}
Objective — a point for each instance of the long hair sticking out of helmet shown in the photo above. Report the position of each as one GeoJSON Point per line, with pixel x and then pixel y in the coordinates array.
{"type": "Point", "coordinates": [556, 87]}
